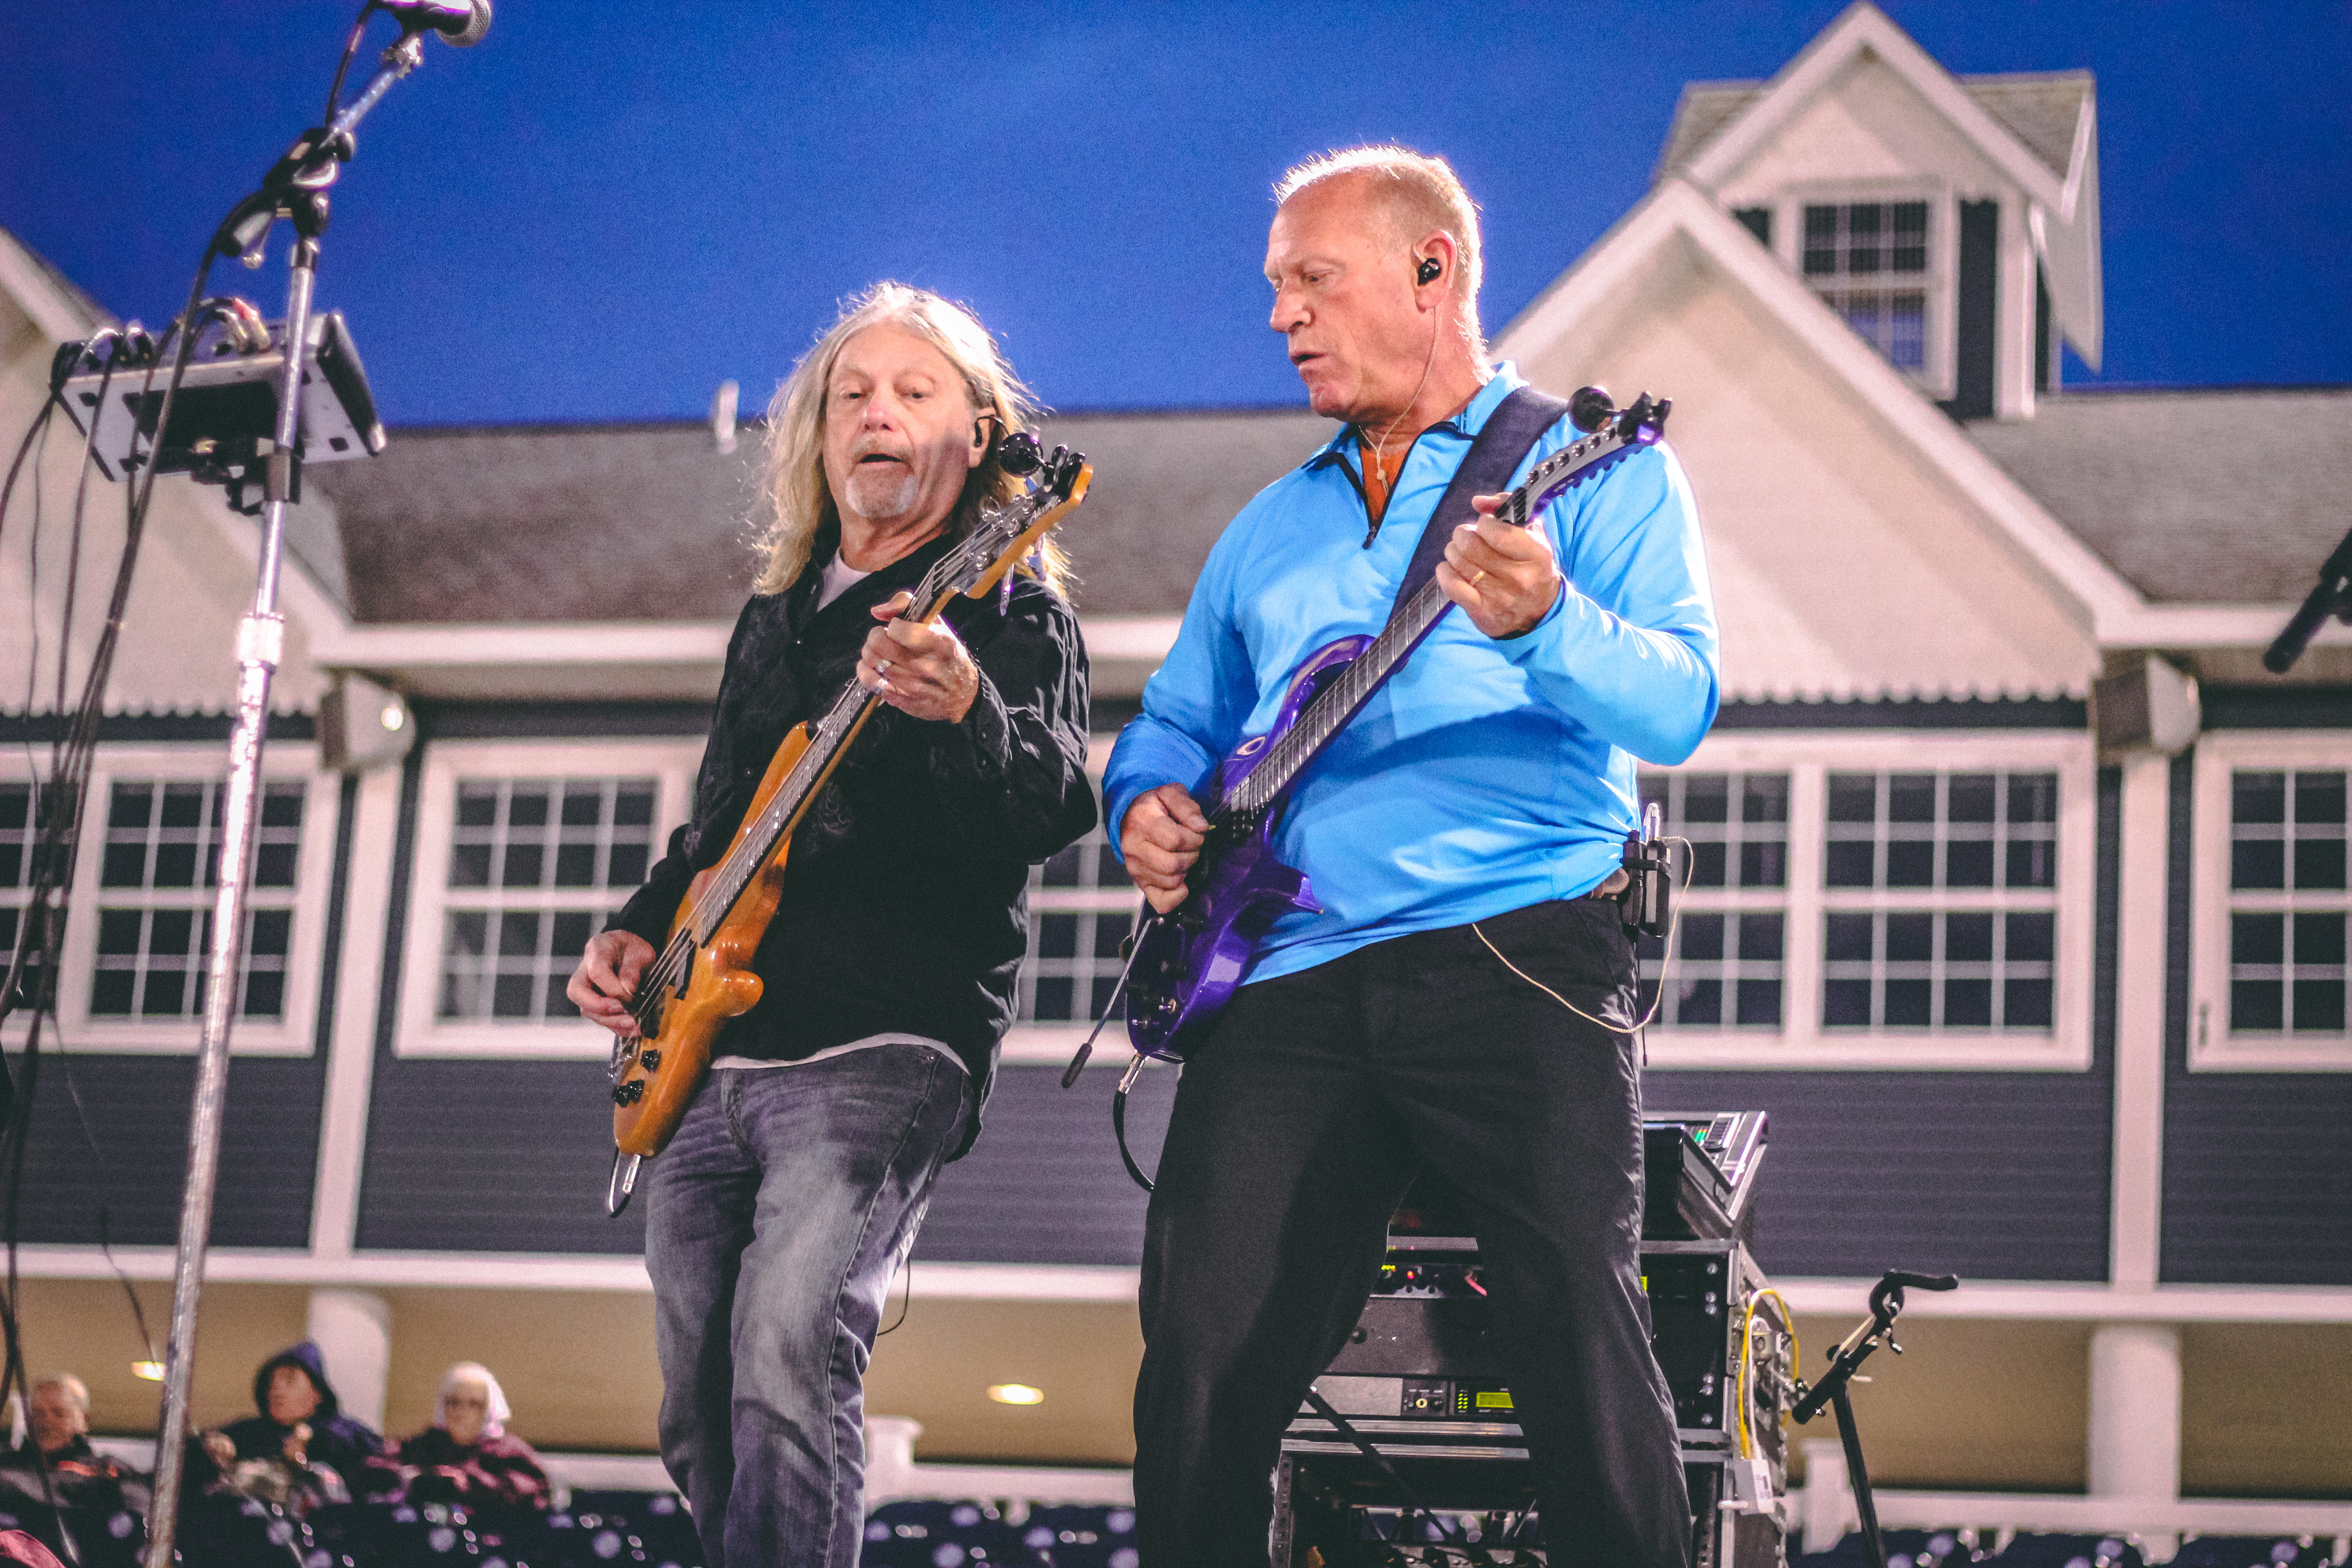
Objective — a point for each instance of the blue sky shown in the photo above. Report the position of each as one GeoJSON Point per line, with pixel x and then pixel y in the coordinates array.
{"type": "Point", "coordinates": [603, 211]}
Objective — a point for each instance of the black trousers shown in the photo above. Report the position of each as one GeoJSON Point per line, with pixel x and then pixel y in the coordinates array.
{"type": "Point", "coordinates": [1296, 1132]}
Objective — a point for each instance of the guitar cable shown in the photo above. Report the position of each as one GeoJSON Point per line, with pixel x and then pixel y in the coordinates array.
{"type": "Point", "coordinates": [1667, 958]}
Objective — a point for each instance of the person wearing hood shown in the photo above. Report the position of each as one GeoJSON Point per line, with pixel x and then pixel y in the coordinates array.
{"type": "Point", "coordinates": [301, 1422]}
{"type": "Point", "coordinates": [467, 1456]}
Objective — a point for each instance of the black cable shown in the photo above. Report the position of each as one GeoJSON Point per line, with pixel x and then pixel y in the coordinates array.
{"type": "Point", "coordinates": [342, 68]}
{"type": "Point", "coordinates": [1118, 1128]}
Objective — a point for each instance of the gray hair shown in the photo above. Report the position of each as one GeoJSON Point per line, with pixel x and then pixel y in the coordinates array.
{"type": "Point", "coordinates": [1418, 194]}
{"type": "Point", "coordinates": [800, 501]}
{"type": "Point", "coordinates": [76, 1390]}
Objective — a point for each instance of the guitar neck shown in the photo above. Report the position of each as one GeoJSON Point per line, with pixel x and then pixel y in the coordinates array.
{"type": "Point", "coordinates": [1323, 717]}
{"type": "Point", "coordinates": [829, 738]}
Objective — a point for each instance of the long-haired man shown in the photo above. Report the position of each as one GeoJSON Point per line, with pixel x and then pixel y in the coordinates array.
{"type": "Point", "coordinates": [796, 1181]}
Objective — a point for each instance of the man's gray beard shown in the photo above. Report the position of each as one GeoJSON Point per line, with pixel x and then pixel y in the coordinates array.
{"type": "Point", "coordinates": [884, 495]}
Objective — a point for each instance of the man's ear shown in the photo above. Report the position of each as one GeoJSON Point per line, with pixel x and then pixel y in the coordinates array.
{"type": "Point", "coordinates": [984, 437]}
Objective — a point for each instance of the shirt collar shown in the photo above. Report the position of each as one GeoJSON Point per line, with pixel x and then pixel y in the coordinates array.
{"type": "Point", "coordinates": [1463, 426]}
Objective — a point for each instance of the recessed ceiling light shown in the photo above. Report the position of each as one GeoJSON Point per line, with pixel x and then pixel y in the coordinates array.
{"type": "Point", "coordinates": [152, 1371]}
{"type": "Point", "coordinates": [1015, 1393]}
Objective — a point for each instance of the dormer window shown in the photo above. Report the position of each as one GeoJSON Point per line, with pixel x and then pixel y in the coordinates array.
{"type": "Point", "coordinates": [1868, 260]}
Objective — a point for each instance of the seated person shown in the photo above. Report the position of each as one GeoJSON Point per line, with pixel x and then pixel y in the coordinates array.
{"type": "Point", "coordinates": [466, 1456]}
{"type": "Point", "coordinates": [81, 1477]}
{"type": "Point", "coordinates": [300, 1429]}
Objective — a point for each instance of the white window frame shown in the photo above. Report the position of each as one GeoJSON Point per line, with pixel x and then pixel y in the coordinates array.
{"type": "Point", "coordinates": [1938, 376]}
{"type": "Point", "coordinates": [2211, 1047]}
{"type": "Point", "coordinates": [1801, 1042]}
{"type": "Point", "coordinates": [295, 1032]}
{"type": "Point", "coordinates": [671, 762]}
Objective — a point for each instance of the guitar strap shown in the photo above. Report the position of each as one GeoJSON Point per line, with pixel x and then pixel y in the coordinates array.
{"type": "Point", "coordinates": [1509, 434]}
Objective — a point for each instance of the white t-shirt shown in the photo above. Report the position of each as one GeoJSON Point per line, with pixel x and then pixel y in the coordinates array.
{"type": "Point", "coordinates": [838, 576]}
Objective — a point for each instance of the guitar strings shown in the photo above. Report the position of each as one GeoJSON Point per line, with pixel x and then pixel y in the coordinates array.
{"type": "Point", "coordinates": [1331, 709]}
{"type": "Point", "coordinates": [738, 867]}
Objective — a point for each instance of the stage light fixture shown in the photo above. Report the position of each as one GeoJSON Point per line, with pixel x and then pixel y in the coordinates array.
{"type": "Point", "coordinates": [1015, 1393]}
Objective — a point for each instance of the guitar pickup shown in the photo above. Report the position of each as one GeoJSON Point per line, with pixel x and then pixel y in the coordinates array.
{"type": "Point", "coordinates": [649, 1060]}
{"type": "Point", "coordinates": [629, 1093]}
{"type": "Point", "coordinates": [686, 970]}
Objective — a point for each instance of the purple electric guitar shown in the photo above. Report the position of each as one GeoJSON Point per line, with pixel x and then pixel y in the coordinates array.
{"type": "Point", "coordinates": [1188, 963]}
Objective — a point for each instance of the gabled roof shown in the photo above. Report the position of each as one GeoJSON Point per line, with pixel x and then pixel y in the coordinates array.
{"type": "Point", "coordinates": [2039, 129]}
{"type": "Point", "coordinates": [652, 522]}
{"type": "Point", "coordinates": [2041, 109]}
{"type": "Point", "coordinates": [2204, 496]}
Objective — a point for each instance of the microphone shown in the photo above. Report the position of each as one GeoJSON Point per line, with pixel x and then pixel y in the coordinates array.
{"type": "Point", "coordinates": [461, 22]}
{"type": "Point", "coordinates": [2333, 596]}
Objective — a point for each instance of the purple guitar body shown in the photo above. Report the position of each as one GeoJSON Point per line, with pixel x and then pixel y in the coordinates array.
{"type": "Point", "coordinates": [1193, 960]}
{"type": "Point", "coordinates": [1189, 962]}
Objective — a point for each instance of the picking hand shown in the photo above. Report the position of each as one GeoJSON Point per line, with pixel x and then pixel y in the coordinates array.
{"type": "Point", "coordinates": [1161, 839]}
{"type": "Point", "coordinates": [607, 977]}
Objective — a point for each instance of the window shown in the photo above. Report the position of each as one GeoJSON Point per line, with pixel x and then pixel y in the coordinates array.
{"type": "Point", "coordinates": [524, 850]}
{"type": "Point", "coordinates": [535, 866]}
{"type": "Point", "coordinates": [2272, 899]}
{"type": "Point", "coordinates": [1869, 262]}
{"type": "Point", "coordinates": [138, 937]}
{"type": "Point", "coordinates": [17, 864]}
{"type": "Point", "coordinates": [1081, 908]}
{"type": "Point", "coordinates": [158, 874]}
{"type": "Point", "coordinates": [1896, 900]}
{"type": "Point", "coordinates": [1932, 838]}
{"type": "Point", "coordinates": [1729, 970]}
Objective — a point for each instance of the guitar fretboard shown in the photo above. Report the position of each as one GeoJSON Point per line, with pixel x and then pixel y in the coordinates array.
{"type": "Point", "coordinates": [1328, 712]}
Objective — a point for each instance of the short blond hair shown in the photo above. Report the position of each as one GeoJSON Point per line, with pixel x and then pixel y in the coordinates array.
{"type": "Point", "coordinates": [1417, 192]}
{"type": "Point", "coordinates": [800, 501]}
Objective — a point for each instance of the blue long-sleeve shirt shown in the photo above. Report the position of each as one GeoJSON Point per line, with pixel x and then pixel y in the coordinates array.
{"type": "Point", "coordinates": [1486, 776]}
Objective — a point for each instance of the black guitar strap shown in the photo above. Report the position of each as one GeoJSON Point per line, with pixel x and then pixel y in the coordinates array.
{"type": "Point", "coordinates": [1509, 434]}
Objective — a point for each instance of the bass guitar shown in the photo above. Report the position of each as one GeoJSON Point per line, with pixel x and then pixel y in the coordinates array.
{"type": "Point", "coordinates": [703, 976]}
{"type": "Point", "coordinates": [1188, 963]}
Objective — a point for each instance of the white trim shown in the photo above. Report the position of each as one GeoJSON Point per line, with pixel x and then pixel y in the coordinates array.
{"type": "Point", "coordinates": [294, 1034]}
{"type": "Point", "coordinates": [2036, 1301]}
{"type": "Point", "coordinates": [1937, 375]}
{"type": "Point", "coordinates": [418, 1033]}
{"type": "Point", "coordinates": [1147, 638]}
{"type": "Point", "coordinates": [411, 646]}
{"type": "Point", "coordinates": [52, 312]}
{"type": "Point", "coordinates": [1802, 1043]}
{"type": "Point", "coordinates": [2211, 1048]}
{"type": "Point", "coordinates": [545, 1272]}
{"type": "Point", "coordinates": [1994, 1300]}
{"type": "Point", "coordinates": [2107, 607]}
{"type": "Point", "coordinates": [350, 1051]}
{"type": "Point", "coordinates": [2130, 1516]}
{"type": "Point", "coordinates": [1863, 27]}
{"type": "Point", "coordinates": [2137, 1235]}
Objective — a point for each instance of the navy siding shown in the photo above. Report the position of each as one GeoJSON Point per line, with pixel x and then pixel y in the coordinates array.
{"type": "Point", "coordinates": [137, 1111]}
{"type": "Point", "coordinates": [499, 1156]}
{"type": "Point", "coordinates": [508, 1156]}
{"type": "Point", "coordinates": [2256, 1188]}
{"type": "Point", "coordinates": [1044, 1184]}
{"type": "Point", "coordinates": [1989, 1176]}
{"type": "Point", "coordinates": [107, 1159]}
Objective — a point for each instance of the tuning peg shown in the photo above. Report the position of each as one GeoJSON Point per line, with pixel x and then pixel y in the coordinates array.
{"type": "Point", "coordinates": [1590, 408]}
{"type": "Point", "coordinates": [1018, 453]}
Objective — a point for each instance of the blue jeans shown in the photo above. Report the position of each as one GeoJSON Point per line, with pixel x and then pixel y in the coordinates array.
{"type": "Point", "coordinates": [773, 1222]}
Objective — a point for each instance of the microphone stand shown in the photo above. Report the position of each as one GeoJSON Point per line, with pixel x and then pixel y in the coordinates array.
{"type": "Point", "coordinates": [2333, 596]}
{"type": "Point", "coordinates": [1885, 1304]}
{"type": "Point", "coordinates": [296, 189]}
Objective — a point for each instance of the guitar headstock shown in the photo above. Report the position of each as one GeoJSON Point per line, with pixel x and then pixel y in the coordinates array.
{"type": "Point", "coordinates": [1057, 483]}
{"type": "Point", "coordinates": [1641, 423]}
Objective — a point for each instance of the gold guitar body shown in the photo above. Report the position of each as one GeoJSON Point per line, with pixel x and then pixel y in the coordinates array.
{"type": "Point", "coordinates": [718, 986]}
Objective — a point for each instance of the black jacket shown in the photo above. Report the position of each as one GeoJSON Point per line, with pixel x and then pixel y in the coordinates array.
{"type": "Point", "coordinates": [905, 897]}
{"type": "Point", "coordinates": [349, 1446]}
